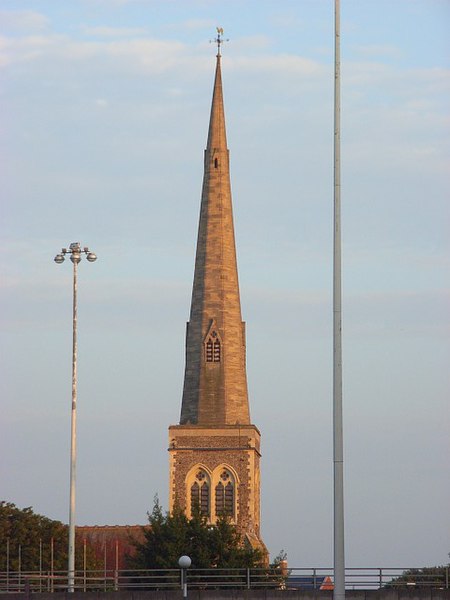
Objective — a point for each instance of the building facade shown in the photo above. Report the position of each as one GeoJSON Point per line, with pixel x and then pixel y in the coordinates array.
{"type": "Point", "coordinates": [215, 450]}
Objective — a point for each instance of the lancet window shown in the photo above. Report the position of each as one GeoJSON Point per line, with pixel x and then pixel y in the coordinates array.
{"type": "Point", "coordinates": [200, 493]}
{"type": "Point", "coordinates": [213, 348]}
{"type": "Point", "coordinates": [224, 494]}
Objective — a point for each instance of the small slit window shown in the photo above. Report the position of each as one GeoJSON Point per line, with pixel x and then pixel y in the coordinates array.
{"type": "Point", "coordinates": [209, 351]}
{"type": "Point", "coordinates": [216, 351]}
{"type": "Point", "coordinates": [216, 163]}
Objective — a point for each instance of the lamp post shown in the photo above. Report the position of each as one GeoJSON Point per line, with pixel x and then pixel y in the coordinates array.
{"type": "Point", "coordinates": [338, 436]}
{"type": "Point", "coordinates": [184, 563]}
{"type": "Point", "coordinates": [75, 251]}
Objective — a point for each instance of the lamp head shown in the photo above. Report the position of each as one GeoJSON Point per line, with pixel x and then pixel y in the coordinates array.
{"type": "Point", "coordinates": [59, 258]}
{"type": "Point", "coordinates": [184, 562]}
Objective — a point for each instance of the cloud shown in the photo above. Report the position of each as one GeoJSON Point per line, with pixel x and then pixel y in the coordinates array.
{"type": "Point", "coordinates": [105, 31]}
{"type": "Point", "coordinates": [397, 315]}
{"type": "Point", "coordinates": [27, 48]}
{"type": "Point", "coordinates": [23, 20]}
{"type": "Point", "coordinates": [248, 43]}
{"type": "Point", "coordinates": [375, 50]}
{"type": "Point", "coordinates": [194, 24]}
{"type": "Point", "coordinates": [277, 63]}
{"type": "Point", "coordinates": [153, 55]}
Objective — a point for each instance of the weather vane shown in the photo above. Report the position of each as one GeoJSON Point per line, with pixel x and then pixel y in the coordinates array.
{"type": "Point", "coordinates": [219, 40]}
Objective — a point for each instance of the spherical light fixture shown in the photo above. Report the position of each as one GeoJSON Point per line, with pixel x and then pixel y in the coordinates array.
{"type": "Point", "coordinates": [184, 562]}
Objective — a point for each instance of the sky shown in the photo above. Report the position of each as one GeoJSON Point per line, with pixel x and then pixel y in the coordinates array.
{"type": "Point", "coordinates": [105, 109]}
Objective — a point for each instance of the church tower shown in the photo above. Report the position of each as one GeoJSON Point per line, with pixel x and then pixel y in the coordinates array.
{"type": "Point", "coordinates": [215, 450]}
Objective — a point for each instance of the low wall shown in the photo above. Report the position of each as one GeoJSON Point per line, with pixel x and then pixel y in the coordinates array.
{"type": "Point", "coordinates": [385, 594]}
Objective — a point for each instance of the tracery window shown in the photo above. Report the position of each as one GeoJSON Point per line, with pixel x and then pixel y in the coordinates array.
{"type": "Point", "coordinates": [212, 348]}
{"type": "Point", "coordinates": [200, 491]}
{"type": "Point", "coordinates": [224, 495]}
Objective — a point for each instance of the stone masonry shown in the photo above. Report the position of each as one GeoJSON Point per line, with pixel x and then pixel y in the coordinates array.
{"type": "Point", "coordinates": [215, 450]}
{"type": "Point", "coordinates": [212, 448]}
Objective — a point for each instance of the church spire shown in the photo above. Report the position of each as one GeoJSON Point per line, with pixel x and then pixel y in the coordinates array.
{"type": "Point", "coordinates": [215, 383]}
{"type": "Point", "coordinates": [215, 450]}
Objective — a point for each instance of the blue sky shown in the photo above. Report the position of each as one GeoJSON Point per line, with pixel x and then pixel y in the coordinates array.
{"type": "Point", "coordinates": [107, 105]}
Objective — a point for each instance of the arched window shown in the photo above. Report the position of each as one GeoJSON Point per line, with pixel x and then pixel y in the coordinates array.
{"type": "Point", "coordinates": [224, 495]}
{"type": "Point", "coordinates": [213, 348]}
{"type": "Point", "coordinates": [200, 494]}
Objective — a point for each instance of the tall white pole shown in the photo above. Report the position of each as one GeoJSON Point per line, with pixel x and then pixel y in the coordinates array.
{"type": "Point", "coordinates": [75, 251]}
{"type": "Point", "coordinates": [73, 437]}
{"type": "Point", "coordinates": [338, 452]}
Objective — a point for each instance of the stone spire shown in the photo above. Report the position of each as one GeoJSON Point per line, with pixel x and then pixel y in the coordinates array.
{"type": "Point", "coordinates": [215, 382]}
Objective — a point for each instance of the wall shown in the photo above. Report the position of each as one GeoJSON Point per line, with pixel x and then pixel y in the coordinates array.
{"type": "Point", "coordinates": [406, 594]}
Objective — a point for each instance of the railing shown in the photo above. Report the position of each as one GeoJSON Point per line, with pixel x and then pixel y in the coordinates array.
{"type": "Point", "coordinates": [166, 579]}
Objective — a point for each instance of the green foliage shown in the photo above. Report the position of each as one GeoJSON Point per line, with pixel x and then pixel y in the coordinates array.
{"type": "Point", "coordinates": [279, 558]}
{"type": "Point", "coordinates": [435, 577]}
{"type": "Point", "coordinates": [172, 536]}
{"type": "Point", "coordinates": [27, 538]}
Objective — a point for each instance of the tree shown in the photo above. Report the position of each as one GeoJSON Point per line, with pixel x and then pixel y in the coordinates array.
{"type": "Point", "coordinates": [173, 535]}
{"type": "Point", "coordinates": [27, 540]}
{"type": "Point", "coordinates": [436, 577]}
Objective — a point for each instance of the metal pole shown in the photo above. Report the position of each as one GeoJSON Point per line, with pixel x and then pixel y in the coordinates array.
{"type": "Point", "coordinates": [338, 454]}
{"type": "Point", "coordinates": [84, 564]}
{"type": "Point", "coordinates": [184, 563]}
{"type": "Point", "coordinates": [52, 564]}
{"type": "Point", "coordinates": [185, 590]}
{"type": "Point", "coordinates": [40, 565]}
{"type": "Point", "coordinates": [7, 564]}
{"type": "Point", "coordinates": [104, 566]}
{"type": "Point", "coordinates": [75, 252]}
{"type": "Point", "coordinates": [73, 436]}
{"type": "Point", "coordinates": [20, 565]}
{"type": "Point", "coordinates": [116, 573]}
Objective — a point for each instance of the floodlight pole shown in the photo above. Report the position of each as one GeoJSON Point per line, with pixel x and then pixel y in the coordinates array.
{"type": "Point", "coordinates": [338, 446]}
{"type": "Point", "coordinates": [75, 251]}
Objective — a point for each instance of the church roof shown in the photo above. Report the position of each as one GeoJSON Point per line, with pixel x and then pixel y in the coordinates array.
{"type": "Point", "coordinates": [111, 543]}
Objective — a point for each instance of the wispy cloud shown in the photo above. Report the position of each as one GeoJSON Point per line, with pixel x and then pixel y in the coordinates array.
{"type": "Point", "coordinates": [23, 20]}
{"type": "Point", "coordinates": [105, 31]}
{"type": "Point", "coordinates": [378, 50]}
{"type": "Point", "coordinates": [194, 24]}
{"type": "Point", "coordinates": [278, 63]}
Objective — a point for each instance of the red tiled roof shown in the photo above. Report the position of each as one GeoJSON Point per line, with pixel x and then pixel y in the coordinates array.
{"type": "Point", "coordinates": [111, 543]}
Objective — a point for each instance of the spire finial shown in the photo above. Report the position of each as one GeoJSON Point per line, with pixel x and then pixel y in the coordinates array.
{"type": "Point", "coordinates": [219, 40]}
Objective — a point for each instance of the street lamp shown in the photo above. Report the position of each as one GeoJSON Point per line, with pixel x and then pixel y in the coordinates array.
{"type": "Point", "coordinates": [184, 563]}
{"type": "Point", "coordinates": [75, 251]}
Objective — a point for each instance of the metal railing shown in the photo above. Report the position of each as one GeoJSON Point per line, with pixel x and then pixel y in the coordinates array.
{"type": "Point", "coordinates": [357, 578]}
